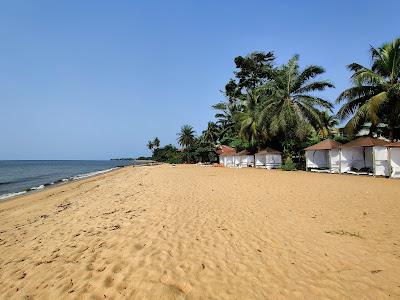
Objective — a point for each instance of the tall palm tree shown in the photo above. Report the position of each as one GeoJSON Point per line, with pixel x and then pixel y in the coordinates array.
{"type": "Point", "coordinates": [211, 134]}
{"type": "Point", "coordinates": [156, 142]}
{"type": "Point", "coordinates": [249, 118]}
{"type": "Point", "coordinates": [329, 122]}
{"type": "Point", "coordinates": [186, 136]}
{"type": "Point", "coordinates": [225, 120]}
{"type": "Point", "coordinates": [290, 108]}
{"type": "Point", "coordinates": [150, 145]}
{"type": "Point", "coordinates": [375, 94]}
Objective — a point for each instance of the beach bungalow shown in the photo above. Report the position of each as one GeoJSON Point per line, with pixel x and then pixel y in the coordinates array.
{"type": "Point", "coordinates": [323, 157]}
{"type": "Point", "coordinates": [394, 159]}
{"type": "Point", "coordinates": [268, 158]}
{"type": "Point", "coordinates": [244, 159]}
{"type": "Point", "coordinates": [226, 155]}
{"type": "Point", "coordinates": [365, 156]}
{"type": "Point", "coordinates": [227, 160]}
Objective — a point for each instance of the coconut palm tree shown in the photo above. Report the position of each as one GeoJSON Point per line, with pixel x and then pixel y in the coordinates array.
{"type": "Point", "coordinates": [211, 134]}
{"type": "Point", "coordinates": [150, 145]}
{"type": "Point", "coordinates": [186, 136]}
{"type": "Point", "coordinates": [156, 142]}
{"type": "Point", "coordinates": [290, 107]}
{"type": "Point", "coordinates": [249, 118]}
{"type": "Point", "coordinates": [375, 94]}
{"type": "Point", "coordinates": [329, 122]}
{"type": "Point", "coordinates": [226, 120]}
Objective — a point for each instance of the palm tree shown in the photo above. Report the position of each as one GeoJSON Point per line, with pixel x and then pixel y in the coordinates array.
{"type": "Point", "coordinates": [186, 136]}
{"type": "Point", "coordinates": [290, 108]}
{"type": "Point", "coordinates": [226, 120]}
{"type": "Point", "coordinates": [329, 122]}
{"type": "Point", "coordinates": [375, 95]}
{"type": "Point", "coordinates": [156, 142]}
{"type": "Point", "coordinates": [211, 134]}
{"type": "Point", "coordinates": [150, 145]}
{"type": "Point", "coordinates": [249, 118]}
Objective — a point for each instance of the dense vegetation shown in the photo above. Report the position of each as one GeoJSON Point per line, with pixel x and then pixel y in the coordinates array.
{"type": "Point", "coordinates": [282, 106]}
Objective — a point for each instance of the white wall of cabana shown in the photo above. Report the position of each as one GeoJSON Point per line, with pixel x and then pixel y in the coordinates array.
{"type": "Point", "coordinates": [268, 158]}
{"type": "Point", "coordinates": [227, 160]}
{"type": "Point", "coordinates": [244, 159]}
{"type": "Point", "coordinates": [323, 157]}
{"type": "Point", "coordinates": [323, 160]}
{"type": "Point", "coordinates": [365, 156]}
{"type": "Point", "coordinates": [394, 160]}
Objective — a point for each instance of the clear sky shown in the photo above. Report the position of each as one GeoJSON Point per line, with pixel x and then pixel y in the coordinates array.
{"type": "Point", "coordinates": [98, 79]}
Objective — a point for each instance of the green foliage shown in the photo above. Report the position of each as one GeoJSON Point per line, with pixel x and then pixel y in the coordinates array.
{"type": "Point", "coordinates": [211, 134]}
{"type": "Point", "coordinates": [341, 139]}
{"type": "Point", "coordinates": [252, 72]}
{"type": "Point", "coordinates": [282, 107]}
{"type": "Point", "coordinates": [291, 109]}
{"type": "Point", "coordinates": [289, 165]}
{"type": "Point", "coordinates": [186, 136]}
{"type": "Point", "coordinates": [375, 95]}
{"type": "Point", "coordinates": [168, 154]}
{"type": "Point", "coordinates": [144, 158]}
{"type": "Point", "coordinates": [239, 144]}
{"type": "Point", "coordinates": [156, 142]}
{"type": "Point", "coordinates": [150, 145]}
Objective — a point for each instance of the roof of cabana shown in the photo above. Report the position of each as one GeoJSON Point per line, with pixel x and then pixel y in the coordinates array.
{"type": "Point", "coordinates": [393, 144]}
{"type": "Point", "coordinates": [244, 152]}
{"type": "Point", "coordinates": [226, 150]}
{"type": "Point", "coordinates": [223, 149]}
{"type": "Point", "coordinates": [269, 151]}
{"type": "Point", "coordinates": [365, 141]}
{"type": "Point", "coordinates": [327, 144]}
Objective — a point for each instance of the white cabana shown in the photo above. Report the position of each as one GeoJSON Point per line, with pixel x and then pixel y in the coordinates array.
{"type": "Point", "coordinates": [227, 159]}
{"type": "Point", "coordinates": [394, 159]}
{"type": "Point", "coordinates": [244, 159]}
{"type": "Point", "coordinates": [226, 155]}
{"type": "Point", "coordinates": [323, 157]}
{"type": "Point", "coordinates": [364, 156]}
{"type": "Point", "coordinates": [268, 158]}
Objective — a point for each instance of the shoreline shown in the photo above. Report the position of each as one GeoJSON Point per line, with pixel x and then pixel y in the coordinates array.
{"type": "Point", "coordinates": [43, 187]}
{"type": "Point", "coordinates": [57, 185]}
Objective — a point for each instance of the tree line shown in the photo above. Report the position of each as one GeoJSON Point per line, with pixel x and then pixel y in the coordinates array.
{"type": "Point", "coordinates": [282, 106]}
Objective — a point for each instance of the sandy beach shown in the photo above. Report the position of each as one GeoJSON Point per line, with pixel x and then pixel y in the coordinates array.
{"type": "Point", "coordinates": [191, 232]}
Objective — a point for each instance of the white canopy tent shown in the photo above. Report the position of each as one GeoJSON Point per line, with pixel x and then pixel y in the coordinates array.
{"type": "Point", "coordinates": [364, 156]}
{"type": "Point", "coordinates": [227, 159]}
{"type": "Point", "coordinates": [268, 158]}
{"type": "Point", "coordinates": [394, 159]}
{"type": "Point", "coordinates": [323, 157]}
{"type": "Point", "coordinates": [226, 155]}
{"type": "Point", "coordinates": [244, 159]}
{"type": "Point", "coordinates": [237, 160]}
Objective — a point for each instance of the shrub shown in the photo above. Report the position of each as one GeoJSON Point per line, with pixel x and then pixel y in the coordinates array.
{"type": "Point", "coordinates": [289, 165]}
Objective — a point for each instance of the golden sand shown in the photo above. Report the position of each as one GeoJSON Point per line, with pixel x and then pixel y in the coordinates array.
{"type": "Point", "coordinates": [204, 233]}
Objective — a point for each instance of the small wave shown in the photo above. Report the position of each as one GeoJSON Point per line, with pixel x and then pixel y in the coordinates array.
{"type": "Point", "coordinates": [42, 186]}
{"type": "Point", "coordinates": [35, 188]}
{"type": "Point", "coordinates": [9, 195]}
{"type": "Point", "coordinates": [5, 182]}
{"type": "Point", "coordinates": [80, 176]}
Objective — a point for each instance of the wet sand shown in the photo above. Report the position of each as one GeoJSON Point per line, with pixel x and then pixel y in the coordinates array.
{"type": "Point", "coordinates": [192, 232]}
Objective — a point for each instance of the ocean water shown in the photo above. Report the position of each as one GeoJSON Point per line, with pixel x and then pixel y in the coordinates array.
{"type": "Point", "coordinates": [21, 176]}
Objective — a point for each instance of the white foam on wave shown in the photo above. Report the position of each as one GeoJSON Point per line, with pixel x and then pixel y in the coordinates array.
{"type": "Point", "coordinates": [80, 176]}
{"type": "Point", "coordinates": [9, 195]}
{"type": "Point", "coordinates": [37, 187]}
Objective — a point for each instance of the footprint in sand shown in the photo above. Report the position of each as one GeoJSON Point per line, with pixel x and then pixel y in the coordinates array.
{"type": "Point", "coordinates": [109, 281]}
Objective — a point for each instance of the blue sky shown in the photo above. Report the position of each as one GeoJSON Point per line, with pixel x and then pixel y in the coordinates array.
{"type": "Point", "coordinates": [98, 79]}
